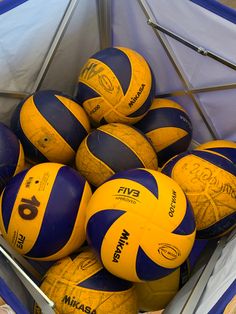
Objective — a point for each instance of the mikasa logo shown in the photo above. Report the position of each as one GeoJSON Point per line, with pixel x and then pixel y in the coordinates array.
{"type": "Point", "coordinates": [135, 98]}
{"type": "Point", "coordinates": [90, 70]}
{"type": "Point", "coordinates": [72, 302]}
{"type": "Point", "coordinates": [120, 246]}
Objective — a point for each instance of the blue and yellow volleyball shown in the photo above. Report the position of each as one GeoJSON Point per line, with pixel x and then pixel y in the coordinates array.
{"type": "Point", "coordinates": [169, 128]}
{"type": "Point", "coordinates": [155, 295]}
{"type": "Point", "coordinates": [209, 181]}
{"type": "Point", "coordinates": [79, 284]}
{"type": "Point", "coordinates": [223, 147]}
{"type": "Point", "coordinates": [112, 148]}
{"type": "Point", "coordinates": [116, 85]}
{"type": "Point", "coordinates": [11, 155]}
{"type": "Point", "coordinates": [50, 126]}
{"type": "Point", "coordinates": [141, 225]}
{"type": "Point", "coordinates": [42, 211]}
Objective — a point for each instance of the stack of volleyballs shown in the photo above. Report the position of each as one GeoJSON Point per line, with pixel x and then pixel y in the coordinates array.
{"type": "Point", "coordinates": [138, 221]}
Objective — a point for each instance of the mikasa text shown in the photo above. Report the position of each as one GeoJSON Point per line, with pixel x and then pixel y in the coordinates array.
{"type": "Point", "coordinates": [135, 98]}
{"type": "Point", "coordinates": [72, 302]}
{"type": "Point", "coordinates": [120, 246]}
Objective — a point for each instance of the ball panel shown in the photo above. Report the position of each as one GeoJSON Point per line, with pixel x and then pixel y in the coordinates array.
{"type": "Point", "coordinates": [170, 164]}
{"type": "Point", "coordinates": [43, 135]}
{"type": "Point", "coordinates": [220, 228]}
{"type": "Point", "coordinates": [99, 77]}
{"type": "Point", "coordinates": [11, 155]}
{"type": "Point", "coordinates": [135, 140]}
{"type": "Point", "coordinates": [7, 201]}
{"type": "Point", "coordinates": [227, 152]}
{"type": "Point", "coordinates": [122, 240]}
{"type": "Point", "coordinates": [84, 93]}
{"type": "Point", "coordinates": [131, 194]}
{"type": "Point", "coordinates": [96, 108]}
{"type": "Point", "coordinates": [54, 215]}
{"type": "Point", "coordinates": [93, 169]}
{"type": "Point", "coordinates": [166, 103]}
{"type": "Point", "coordinates": [113, 115]}
{"type": "Point", "coordinates": [104, 281]}
{"type": "Point", "coordinates": [147, 269]}
{"type": "Point", "coordinates": [169, 138]}
{"type": "Point", "coordinates": [198, 248]}
{"type": "Point", "coordinates": [104, 222]}
{"type": "Point", "coordinates": [187, 225]}
{"type": "Point", "coordinates": [140, 85]}
{"type": "Point", "coordinates": [32, 153]}
{"type": "Point", "coordinates": [224, 147]}
{"type": "Point", "coordinates": [48, 102]}
{"type": "Point", "coordinates": [112, 58]}
{"type": "Point", "coordinates": [168, 152]}
{"type": "Point", "coordinates": [9, 149]}
{"type": "Point", "coordinates": [122, 195]}
{"type": "Point", "coordinates": [21, 160]}
{"type": "Point", "coordinates": [81, 119]}
{"type": "Point", "coordinates": [143, 110]}
{"type": "Point", "coordinates": [171, 250]}
{"type": "Point", "coordinates": [216, 159]}
{"type": "Point", "coordinates": [164, 118]}
{"type": "Point", "coordinates": [140, 176]}
{"type": "Point", "coordinates": [155, 295]}
{"type": "Point", "coordinates": [116, 146]}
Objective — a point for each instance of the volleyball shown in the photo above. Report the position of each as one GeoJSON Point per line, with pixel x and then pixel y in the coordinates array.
{"type": "Point", "coordinates": [116, 85]}
{"type": "Point", "coordinates": [79, 284]}
{"type": "Point", "coordinates": [42, 211]}
{"type": "Point", "coordinates": [169, 128]}
{"type": "Point", "coordinates": [156, 295]}
{"type": "Point", "coordinates": [111, 148]}
{"type": "Point", "coordinates": [50, 126]}
{"type": "Point", "coordinates": [223, 147]}
{"type": "Point", "coordinates": [209, 181]}
{"type": "Point", "coordinates": [11, 155]}
{"type": "Point", "coordinates": [141, 225]}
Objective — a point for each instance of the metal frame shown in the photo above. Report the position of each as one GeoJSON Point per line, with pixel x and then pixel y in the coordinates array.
{"type": "Point", "coordinates": [188, 88]}
{"type": "Point", "coordinates": [55, 43]}
{"type": "Point", "coordinates": [201, 50]}
{"type": "Point", "coordinates": [105, 30]}
{"type": "Point", "coordinates": [104, 17]}
{"type": "Point", "coordinates": [46, 305]}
